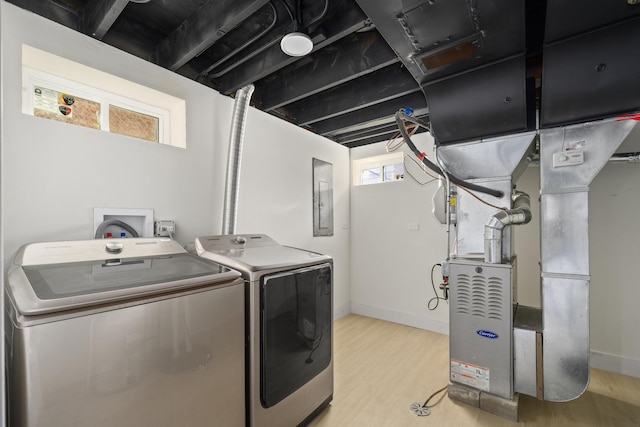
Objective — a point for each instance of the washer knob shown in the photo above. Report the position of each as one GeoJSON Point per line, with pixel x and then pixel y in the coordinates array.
{"type": "Point", "coordinates": [240, 240]}
{"type": "Point", "coordinates": [114, 248]}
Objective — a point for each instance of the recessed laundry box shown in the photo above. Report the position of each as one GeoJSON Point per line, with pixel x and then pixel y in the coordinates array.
{"type": "Point", "coordinates": [289, 326]}
{"type": "Point", "coordinates": [130, 332]}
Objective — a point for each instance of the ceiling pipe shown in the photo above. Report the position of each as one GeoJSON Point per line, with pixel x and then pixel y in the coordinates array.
{"type": "Point", "coordinates": [225, 58]}
{"type": "Point", "coordinates": [234, 160]}
{"type": "Point", "coordinates": [207, 71]}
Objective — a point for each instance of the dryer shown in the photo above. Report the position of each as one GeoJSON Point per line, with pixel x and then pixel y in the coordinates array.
{"type": "Point", "coordinates": [289, 319]}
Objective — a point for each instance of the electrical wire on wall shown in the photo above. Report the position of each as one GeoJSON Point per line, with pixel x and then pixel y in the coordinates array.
{"type": "Point", "coordinates": [444, 287]}
{"type": "Point", "coordinates": [422, 168]}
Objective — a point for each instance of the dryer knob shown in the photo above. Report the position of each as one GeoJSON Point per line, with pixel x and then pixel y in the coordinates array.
{"type": "Point", "coordinates": [240, 240]}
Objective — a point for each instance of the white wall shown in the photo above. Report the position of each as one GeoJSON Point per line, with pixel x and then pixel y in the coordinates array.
{"type": "Point", "coordinates": [390, 264]}
{"type": "Point", "coordinates": [614, 247]}
{"type": "Point", "coordinates": [276, 192]}
{"type": "Point", "coordinates": [54, 174]}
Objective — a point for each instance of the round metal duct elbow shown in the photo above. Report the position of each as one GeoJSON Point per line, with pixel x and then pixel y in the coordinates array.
{"type": "Point", "coordinates": [520, 214]}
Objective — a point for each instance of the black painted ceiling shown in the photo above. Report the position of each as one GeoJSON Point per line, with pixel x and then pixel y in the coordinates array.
{"type": "Point", "coordinates": [473, 68]}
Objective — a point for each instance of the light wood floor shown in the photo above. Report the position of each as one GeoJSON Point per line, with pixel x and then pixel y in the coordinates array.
{"type": "Point", "coordinates": [381, 368]}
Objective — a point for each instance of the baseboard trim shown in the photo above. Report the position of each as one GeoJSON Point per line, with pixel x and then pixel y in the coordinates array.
{"type": "Point", "coordinates": [341, 311]}
{"type": "Point", "coordinates": [617, 364]}
{"type": "Point", "coordinates": [407, 319]}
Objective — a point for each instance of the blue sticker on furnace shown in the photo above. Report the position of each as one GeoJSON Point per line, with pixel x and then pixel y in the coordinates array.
{"type": "Point", "coordinates": [487, 334]}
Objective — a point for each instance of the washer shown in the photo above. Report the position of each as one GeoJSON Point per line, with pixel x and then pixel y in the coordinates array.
{"type": "Point", "coordinates": [289, 297]}
{"type": "Point", "coordinates": [131, 332]}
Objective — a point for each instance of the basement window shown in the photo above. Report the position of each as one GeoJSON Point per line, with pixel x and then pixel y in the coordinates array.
{"type": "Point", "coordinates": [58, 89]}
{"type": "Point", "coordinates": [378, 169]}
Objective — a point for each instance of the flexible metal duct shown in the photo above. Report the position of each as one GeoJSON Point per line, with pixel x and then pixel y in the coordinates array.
{"type": "Point", "coordinates": [236, 138]}
{"type": "Point", "coordinates": [519, 214]}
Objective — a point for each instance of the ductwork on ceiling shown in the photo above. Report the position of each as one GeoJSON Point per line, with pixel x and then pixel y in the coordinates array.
{"type": "Point", "coordinates": [487, 66]}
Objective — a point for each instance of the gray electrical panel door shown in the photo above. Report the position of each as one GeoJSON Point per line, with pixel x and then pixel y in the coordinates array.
{"type": "Point", "coordinates": [322, 198]}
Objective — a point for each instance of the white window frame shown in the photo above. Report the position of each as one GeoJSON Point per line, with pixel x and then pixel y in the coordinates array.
{"type": "Point", "coordinates": [359, 165]}
{"type": "Point", "coordinates": [35, 78]}
{"type": "Point", "coordinates": [49, 71]}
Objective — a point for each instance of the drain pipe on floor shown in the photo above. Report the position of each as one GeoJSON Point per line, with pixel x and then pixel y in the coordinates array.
{"type": "Point", "coordinates": [236, 138]}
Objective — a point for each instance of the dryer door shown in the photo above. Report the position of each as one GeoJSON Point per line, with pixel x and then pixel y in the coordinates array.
{"type": "Point", "coordinates": [295, 329]}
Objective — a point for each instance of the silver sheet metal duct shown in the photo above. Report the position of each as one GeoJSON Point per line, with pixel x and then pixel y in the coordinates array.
{"type": "Point", "coordinates": [236, 139]}
{"type": "Point", "coordinates": [496, 163]}
{"type": "Point", "coordinates": [565, 248]}
{"type": "Point", "coordinates": [519, 214]}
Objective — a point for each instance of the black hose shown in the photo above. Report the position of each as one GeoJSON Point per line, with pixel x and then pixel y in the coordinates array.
{"type": "Point", "coordinates": [457, 181]}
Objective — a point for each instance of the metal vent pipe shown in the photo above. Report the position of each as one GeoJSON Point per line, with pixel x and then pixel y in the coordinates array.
{"type": "Point", "coordinates": [236, 139]}
{"type": "Point", "coordinates": [520, 214]}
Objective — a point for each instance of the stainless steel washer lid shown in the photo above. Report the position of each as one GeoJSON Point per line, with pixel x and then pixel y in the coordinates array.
{"type": "Point", "coordinates": [249, 253]}
{"type": "Point", "coordinates": [58, 276]}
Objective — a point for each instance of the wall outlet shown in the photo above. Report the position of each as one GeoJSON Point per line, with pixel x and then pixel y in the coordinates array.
{"type": "Point", "coordinates": [141, 220]}
{"type": "Point", "coordinates": [165, 228]}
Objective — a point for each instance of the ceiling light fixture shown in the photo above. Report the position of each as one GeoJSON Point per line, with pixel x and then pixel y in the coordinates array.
{"type": "Point", "coordinates": [296, 43]}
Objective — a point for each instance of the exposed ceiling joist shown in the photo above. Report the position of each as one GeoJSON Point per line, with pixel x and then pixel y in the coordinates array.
{"type": "Point", "coordinates": [346, 19]}
{"type": "Point", "coordinates": [373, 135]}
{"type": "Point", "coordinates": [364, 117]}
{"type": "Point", "coordinates": [57, 12]}
{"type": "Point", "coordinates": [385, 84]}
{"type": "Point", "coordinates": [360, 54]}
{"type": "Point", "coordinates": [99, 16]}
{"type": "Point", "coordinates": [373, 57]}
{"type": "Point", "coordinates": [212, 21]}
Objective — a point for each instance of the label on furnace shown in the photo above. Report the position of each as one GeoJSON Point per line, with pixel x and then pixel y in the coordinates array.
{"type": "Point", "coordinates": [471, 375]}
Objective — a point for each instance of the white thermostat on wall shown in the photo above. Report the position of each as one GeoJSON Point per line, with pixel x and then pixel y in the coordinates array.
{"type": "Point", "coordinates": [568, 158]}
